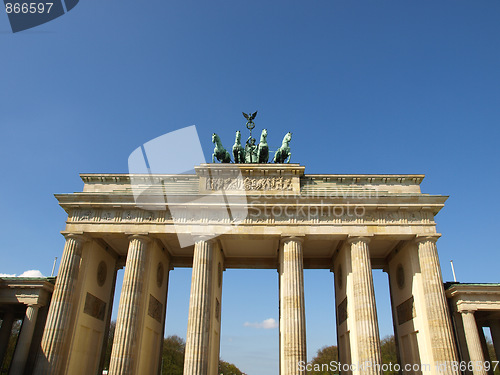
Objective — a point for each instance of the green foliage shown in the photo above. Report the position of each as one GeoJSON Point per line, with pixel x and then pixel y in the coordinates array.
{"type": "Point", "coordinates": [327, 354]}
{"type": "Point", "coordinates": [321, 362]}
{"type": "Point", "coordinates": [493, 356]}
{"type": "Point", "coordinates": [228, 369]}
{"type": "Point", "coordinates": [389, 353]}
{"type": "Point", "coordinates": [173, 356]}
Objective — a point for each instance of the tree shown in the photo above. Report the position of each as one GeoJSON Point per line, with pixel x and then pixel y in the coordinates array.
{"type": "Point", "coordinates": [320, 364]}
{"type": "Point", "coordinates": [389, 353]}
{"type": "Point", "coordinates": [493, 356]}
{"type": "Point", "coordinates": [173, 356]}
{"type": "Point", "coordinates": [173, 359]}
{"type": "Point", "coordinates": [228, 369]}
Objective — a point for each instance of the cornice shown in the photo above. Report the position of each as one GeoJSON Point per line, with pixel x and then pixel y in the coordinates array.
{"type": "Point", "coordinates": [250, 169]}
{"type": "Point", "coordinates": [474, 288]}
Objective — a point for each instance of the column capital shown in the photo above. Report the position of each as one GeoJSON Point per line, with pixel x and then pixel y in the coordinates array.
{"type": "Point", "coordinates": [296, 238]}
{"type": "Point", "coordinates": [199, 237]}
{"type": "Point", "coordinates": [427, 237]}
{"type": "Point", "coordinates": [467, 312]}
{"type": "Point", "coordinates": [139, 236]}
{"type": "Point", "coordinates": [34, 305]}
{"type": "Point", "coordinates": [364, 238]}
{"type": "Point", "coordinates": [77, 236]}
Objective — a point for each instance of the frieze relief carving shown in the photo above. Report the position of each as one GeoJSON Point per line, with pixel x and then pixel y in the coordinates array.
{"type": "Point", "coordinates": [107, 215]}
{"type": "Point", "coordinates": [270, 215]}
{"type": "Point", "coordinates": [250, 183]}
{"type": "Point", "coordinates": [370, 217]}
{"type": "Point", "coordinates": [128, 215]}
{"type": "Point", "coordinates": [86, 215]}
{"type": "Point", "coordinates": [391, 217]}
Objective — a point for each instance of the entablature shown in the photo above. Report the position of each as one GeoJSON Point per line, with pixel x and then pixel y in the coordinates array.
{"type": "Point", "coordinates": [285, 179]}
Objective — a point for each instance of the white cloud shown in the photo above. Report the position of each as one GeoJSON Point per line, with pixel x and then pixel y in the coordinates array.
{"type": "Point", "coordinates": [265, 324]}
{"type": "Point", "coordinates": [29, 273]}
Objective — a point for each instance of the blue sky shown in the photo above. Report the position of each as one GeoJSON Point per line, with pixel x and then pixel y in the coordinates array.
{"type": "Point", "coordinates": [365, 86]}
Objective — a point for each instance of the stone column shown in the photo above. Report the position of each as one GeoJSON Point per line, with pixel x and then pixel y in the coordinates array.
{"type": "Point", "coordinates": [364, 306]}
{"type": "Point", "coordinates": [55, 335]}
{"type": "Point", "coordinates": [495, 336]}
{"type": "Point", "coordinates": [5, 332]}
{"type": "Point", "coordinates": [438, 319]}
{"type": "Point", "coordinates": [292, 307]}
{"type": "Point", "coordinates": [198, 333]}
{"type": "Point", "coordinates": [473, 342]}
{"type": "Point", "coordinates": [24, 341]}
{"type": "Point", "coordinates": [125, 348]}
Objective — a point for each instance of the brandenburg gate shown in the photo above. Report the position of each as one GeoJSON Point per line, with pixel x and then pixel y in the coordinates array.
{"type": "Point", "coordinates": [224, 216]}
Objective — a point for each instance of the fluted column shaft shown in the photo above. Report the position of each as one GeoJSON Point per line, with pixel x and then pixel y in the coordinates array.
{"type": "Point", "coordinates": [473, 342]}
{"type": "Point", "coordinates": [55, 335]}
{"type": "Point", "coordinates": [495, 336]}
{"type": "Point", "coordinates": [365, 310]}
{"type": "Point", "coordinates": [125, 345]}
{"type": "Point", "coordinates": [24, 341]}
{"type": "Point", "coordinates": [198, 333]}
{"type": "Point", "coordinates": [438, 320]}
{"type": "Point", "coordinates": [292, 307]}
{"type": "Point", "coordinates": [5, 332]}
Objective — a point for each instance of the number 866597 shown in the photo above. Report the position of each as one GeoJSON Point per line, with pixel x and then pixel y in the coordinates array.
{"type": "Point", "coordinates": [28, 7]}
